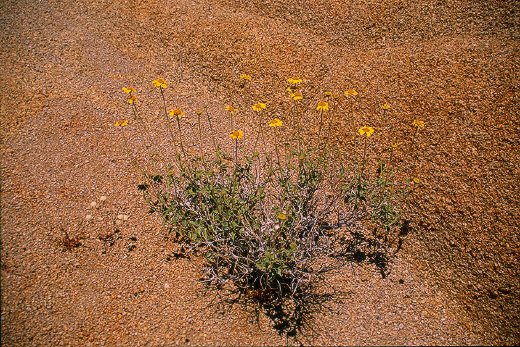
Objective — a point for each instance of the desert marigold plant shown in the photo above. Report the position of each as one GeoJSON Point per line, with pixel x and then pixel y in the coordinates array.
{"type": "Point", "coordinates": [268, 223]}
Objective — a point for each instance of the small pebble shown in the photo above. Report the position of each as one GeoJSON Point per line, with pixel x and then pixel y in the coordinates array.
{"type": "Point", "coordinates": [93, 204]}
{"type": "Point", "coordinates": [88, 217]}
{"type": "Point", "coordinates": [103, 198]}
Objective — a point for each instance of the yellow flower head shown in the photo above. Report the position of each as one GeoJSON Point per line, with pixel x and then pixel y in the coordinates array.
{"type": "Point", "coordinates": [292, 89]}
{"type": "Point", "coordinates": [121, 123]}
{"type": "Point", "coordinates": [259, 106]}
{"type": "Point", "coordinates": [366, 131]}
{"type": "Point", "coordinates": [131, 99]}
{"type": "Point", "coordinates": [236, 134]}
{"type": "Point", "coordinates": [322, 106]}
{"type": "Point", "coordinates": [295, 80]}
{"type": "Point", "coordinates": [418, 124]}
{"type": "Point", "coordinates": [296, 96]}
{"type": "Point", "coordinates": [328, 94]}
{"type": "Point", "coordinates": [246, 77]}
{"type": "Point", "coordinates": [177, 113]}
{"type": "Point", "coordinates": [416, 180]}
{"type": "Point", "coordinates": [282, 216]}
{"type": "Point", "coordinates": [275, 123]}
{"type": "Point", "coordinates": [351, 92]}
{"type": "Point", "coordinates": [231, 109]}
{"type": "Point", "coordinates": [394, 144]}
{"type": "Point", "coordinates": [385, 106]}
{"type": "Point", "coordinates": [128, 90]}
{"type": "Point", "coordinates": [160, 83]}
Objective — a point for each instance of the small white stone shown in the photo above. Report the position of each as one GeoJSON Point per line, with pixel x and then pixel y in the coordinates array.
{"type": "Point", "coordinates": [120, 216]}
{"type": "Point", "coordinates": [93, 204]}
{"type": "Point", "coordinates": [103, 198]}
{"type": "Point", "coordinates": [166, 286]}
{"type": "Point", "coordinates": [125, 217]}
{"type": "Point", "coordinates": [99, 218]}
{"type": "Point", "coordinates": [119, 222]}
{"type": "Point", "coordinates": [88, 217]}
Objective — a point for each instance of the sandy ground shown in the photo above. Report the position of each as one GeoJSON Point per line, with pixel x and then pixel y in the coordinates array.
{"type": "Point", "coordinates": [64, 63]}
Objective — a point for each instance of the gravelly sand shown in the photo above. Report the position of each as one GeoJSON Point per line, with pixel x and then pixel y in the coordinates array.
{"type": "Point", "coordinates": [64, 63]}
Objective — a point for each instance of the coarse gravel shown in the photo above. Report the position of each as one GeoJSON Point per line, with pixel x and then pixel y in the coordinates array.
{"type": "Point", "coordinates": [455, 66]}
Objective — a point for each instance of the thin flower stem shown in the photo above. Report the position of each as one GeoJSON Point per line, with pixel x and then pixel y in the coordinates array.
{"type": "Point", "coordinates": [212, 133]}
{"type": "Point", "coordinates": [319, 128]}
{"type": "Point", "coordinates": [236, 153]}
{"type": "Point", "coordinates": [133, 161]}
{"type": "Point", "coordinates": [276, 147]}
{"type": "Point", "coordinates": [331, 117]}
{"type": "Point", "coordinates": [232, 125]}
{"type": "Point", "coordinates": [259, 129]}
{"type": "Point", "coordinates": [413, 140]}
{"type": "Point", "coordinates": [180, 137]}
{"type": "Point", "coordinates": [147, 137]}
{"type": "Point", "coordinates": [166, 115]}
{"type": "Point", "coordinates": [199, 113]}
{"type": "Point", "coordinates": [362, 166]}
{"type": "Point", "coordinates": [170, 129]}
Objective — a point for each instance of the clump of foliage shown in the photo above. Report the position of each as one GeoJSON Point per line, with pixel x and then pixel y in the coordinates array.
{"type": "Point", "coordinates": [272, 222]}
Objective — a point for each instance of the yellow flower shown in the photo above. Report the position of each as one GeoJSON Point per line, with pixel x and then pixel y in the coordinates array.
{"type": "Point", "coordinates": [131, 99]}
{"type": "Point", "coordinates": [128, 90]}
{"type": "Point", "coordinates": [322, 106]}
{"type": "Point", "coordinates": [418, 124]}
{"type": "Point", "coordinates": [275, 123]}
{"type": "Point", "coordinates": [328, 94]}
{"type": "Point", "coordinates": [366, 131]}
{"type": "Point", "coordinates": [231, 109]}
{"type": "Point", "coordinates": [121, 123]}
{"type": "Point", "coordinates": [246, 77]}
{"type": "Point", "coordinates": [351, 92]}
{"type": "Point", "coordinates": [292, 89]}
{"type": "Point", "coordinates": [416, 180]}
{"type": "Point", "coordinates": [160, 83]}
{"type": "Point", "coordinates": [281, 216]}
{"type": "Point", "coordinates": [295, 80]}
{"type": "Point", "coordinates": [177, 113]}
{"type": "Point", "coordinates": [296, 96]}
{"type": "Point", "coordinates": [394, 144]}
{"type": "Point", "coordinates": [259, 106]}
{"type": "Point", "coordinates": [385, 106]}
{"type": "Point", "coordinates": [236, 134]}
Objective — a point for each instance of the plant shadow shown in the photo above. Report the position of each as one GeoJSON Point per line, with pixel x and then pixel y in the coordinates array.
{"type": "Point", "coordinates": [292, 314]}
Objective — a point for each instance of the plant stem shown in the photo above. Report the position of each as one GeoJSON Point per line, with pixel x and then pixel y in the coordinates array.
{"type": "Point", "coordinates": [212, 132]}
{"type": "Point", "coordinates": [362, 166]}
{"type": "Point", "coordinates": [180, 137]}
{"type": "Point", "coordinates": [166, 115]}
